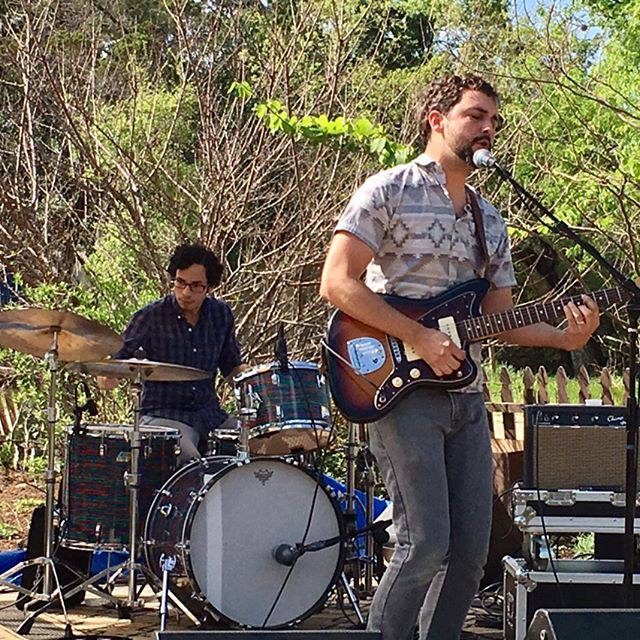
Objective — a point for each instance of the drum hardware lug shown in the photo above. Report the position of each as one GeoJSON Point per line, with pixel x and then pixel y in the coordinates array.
{"type": "Point", "coordinates": [166, 510]}
{"type": "Point", "coordinates": [102, 449]}
{"type": "Point", "coordinates": [275, 379]}
{"type": "Point", "coordinates": [131, 479]}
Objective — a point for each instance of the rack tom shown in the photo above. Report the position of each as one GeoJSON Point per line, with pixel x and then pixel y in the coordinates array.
{"type": "Point", "coordinates": [286, 409]}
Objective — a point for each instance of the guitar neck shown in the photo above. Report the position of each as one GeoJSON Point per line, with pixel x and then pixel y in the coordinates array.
{"type": "Point", "coordinates": [486, 326]}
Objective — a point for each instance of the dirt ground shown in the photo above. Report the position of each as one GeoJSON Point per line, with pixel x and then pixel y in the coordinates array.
{"type": "Point", "coordinates": [20, 493]}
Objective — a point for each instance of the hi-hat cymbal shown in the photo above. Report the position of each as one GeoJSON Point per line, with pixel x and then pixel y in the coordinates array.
{"type": "Point", "coordinates": [31, 331]}
{"type": "Point", "coordinates": [146, 369]}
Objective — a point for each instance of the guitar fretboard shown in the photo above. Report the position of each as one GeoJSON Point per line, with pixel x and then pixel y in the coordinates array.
{"type": "Point", "coordinates": [485, 326]}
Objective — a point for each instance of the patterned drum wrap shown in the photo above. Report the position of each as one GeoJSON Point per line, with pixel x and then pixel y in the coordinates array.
{"type": "Point", "coordinates": [95, 497]}
{"type": "Point", "coordinates": [222, 520]}
{"type": "Point", "coordinates": [288, 408]}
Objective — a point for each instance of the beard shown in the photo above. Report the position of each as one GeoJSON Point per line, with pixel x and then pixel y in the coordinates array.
{"type": "Point", "coordinates": [464, 150]}
{"type": "Point", "coordinates": [465, 153]}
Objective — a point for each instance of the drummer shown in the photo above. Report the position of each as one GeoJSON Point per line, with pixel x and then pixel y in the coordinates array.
{"type": "Point", "coordinates": [192, 328]}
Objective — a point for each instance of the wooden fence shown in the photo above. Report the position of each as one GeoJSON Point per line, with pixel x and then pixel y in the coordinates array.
{"type": "Point", "coordinates": [506, 412]}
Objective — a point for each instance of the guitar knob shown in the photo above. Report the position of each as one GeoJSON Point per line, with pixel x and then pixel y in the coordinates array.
{"type": "Point", "coordinates": [414, 373]}
{"type": "Point", "coordinates": [397, 382]}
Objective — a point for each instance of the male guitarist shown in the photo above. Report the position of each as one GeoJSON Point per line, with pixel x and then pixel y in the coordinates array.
{"type": "Point", "coordinates": [411, 230]}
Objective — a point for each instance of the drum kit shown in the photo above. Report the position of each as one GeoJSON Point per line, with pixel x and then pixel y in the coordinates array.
{"type": "Point", "coordinates": [254, 539]}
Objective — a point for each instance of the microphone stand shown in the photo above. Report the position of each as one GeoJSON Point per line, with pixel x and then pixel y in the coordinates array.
{"type": "Point", "coordinates": [633, 311]}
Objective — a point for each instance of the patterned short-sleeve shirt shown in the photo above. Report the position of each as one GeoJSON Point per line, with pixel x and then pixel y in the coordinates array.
{"type": "Point", "coordinates": [421, 248]}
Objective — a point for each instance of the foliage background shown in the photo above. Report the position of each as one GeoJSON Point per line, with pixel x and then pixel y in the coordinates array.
{"type": "Point", "coordinates": [130, 126]}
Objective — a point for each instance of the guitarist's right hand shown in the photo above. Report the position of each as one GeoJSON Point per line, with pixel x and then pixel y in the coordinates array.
{"type": "Point", "coordinates": [439, 351]}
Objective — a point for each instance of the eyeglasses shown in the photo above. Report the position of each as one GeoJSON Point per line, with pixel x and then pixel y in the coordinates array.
{"type": "Point", "coordinates": [196, 287]}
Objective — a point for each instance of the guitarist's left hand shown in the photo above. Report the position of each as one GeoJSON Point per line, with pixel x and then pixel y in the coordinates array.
{"type": "Point", "coordinates": [582, 321]}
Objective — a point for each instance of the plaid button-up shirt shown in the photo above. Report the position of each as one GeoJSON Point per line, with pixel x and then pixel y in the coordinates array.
{"type": "Point", "coordinates": [160, 333]}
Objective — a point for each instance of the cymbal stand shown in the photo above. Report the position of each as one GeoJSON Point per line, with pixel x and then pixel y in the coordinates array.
{"type": "Point", "coordinates": [132, 480]}
{"type": "Point", "coordinates": [350, 510]}
{"type": "Point", "coordinates": [246, 416]}
{"type": "Point", "coordinates": [357, 456]}
{"type": "Point", "coordinates": [50, 593]}
{"type": "Point", "coordinates": [369, 483]}
{"type": "Point", "coordinates": [51, 358]}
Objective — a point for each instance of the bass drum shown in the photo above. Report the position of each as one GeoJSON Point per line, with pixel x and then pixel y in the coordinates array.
{"type": "Point", "coordinates": [223, 520]}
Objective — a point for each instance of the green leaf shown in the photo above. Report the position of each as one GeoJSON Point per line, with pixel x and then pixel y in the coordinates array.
{"type": "Point", "coordinates": [240, 89]}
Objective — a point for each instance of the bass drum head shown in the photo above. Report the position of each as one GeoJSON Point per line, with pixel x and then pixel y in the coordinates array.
{"type": "Point", "coordinates": [236, 523]}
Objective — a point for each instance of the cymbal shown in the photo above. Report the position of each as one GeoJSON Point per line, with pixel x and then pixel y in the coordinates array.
{"type": "Point", "coordinates": [147, 369]}
{"type": "Point", "coordinates": [31, 331]}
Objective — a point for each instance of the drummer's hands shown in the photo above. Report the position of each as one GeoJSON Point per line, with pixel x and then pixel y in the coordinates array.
{"type": "Point", "coordinates": [236, 371]}
{"type": "Point", "coordinates": [107, 384]}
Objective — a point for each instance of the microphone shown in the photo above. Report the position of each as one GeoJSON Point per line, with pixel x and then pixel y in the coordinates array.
{"type": "Point", "coordinates": [379, 531]}
{"type": "Point", "coordinates": [281, 349]}
{"type": "Point", "coordinates": [484, 159]}
{"type": "Point", "coordinates": [90, 405]}
{"type": "Point", "coordinates": [286, 554]}
{"type": "Point", "coordinates": [77, 414]}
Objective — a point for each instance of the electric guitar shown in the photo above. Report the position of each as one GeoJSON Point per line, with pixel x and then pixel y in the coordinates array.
{"type": "Point", "coordinates": [369, 371]}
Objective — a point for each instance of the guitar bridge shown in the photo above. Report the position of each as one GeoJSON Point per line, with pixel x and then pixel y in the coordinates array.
{"type": "Point", "coordinates": [366, 354]}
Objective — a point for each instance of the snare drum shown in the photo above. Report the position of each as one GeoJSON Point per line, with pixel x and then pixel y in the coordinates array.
{"type": "Point", "coordinates": [95, 505]}
{"type": "Point", "coordinates": [287, 408]}
{"type": "Point", "coordinates": [223, 521]}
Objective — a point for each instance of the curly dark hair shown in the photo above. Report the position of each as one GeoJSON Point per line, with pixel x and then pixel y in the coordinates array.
{"type": "Point", "coordinates": [443, 94]}
{"type": "Point", "coordinates": [187, 254]}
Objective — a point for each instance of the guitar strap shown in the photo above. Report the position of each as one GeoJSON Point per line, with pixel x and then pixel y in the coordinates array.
{"type": "Point", "coordinates": [472, 199]}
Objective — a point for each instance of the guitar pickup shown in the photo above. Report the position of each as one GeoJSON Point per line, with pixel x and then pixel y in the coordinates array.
{"type": "Point", "coordinates": [448, 327]}
{"type": "Point", "coordinates": [410, 353]}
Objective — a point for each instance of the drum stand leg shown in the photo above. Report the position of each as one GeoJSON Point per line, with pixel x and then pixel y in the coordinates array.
{"type": "Point", "coordinates": [353, 598]}
{"type": "Point", "coordinates": [167, 563]}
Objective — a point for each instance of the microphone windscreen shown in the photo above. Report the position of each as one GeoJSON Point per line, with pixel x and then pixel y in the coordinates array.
{"type": "Point", "coordinates": [483, 158]}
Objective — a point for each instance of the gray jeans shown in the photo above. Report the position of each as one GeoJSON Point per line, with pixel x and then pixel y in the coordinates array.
{"type": "Point", "coordinates": [189, 437]}
{"type": "Point", "coordinates": [434, 452]}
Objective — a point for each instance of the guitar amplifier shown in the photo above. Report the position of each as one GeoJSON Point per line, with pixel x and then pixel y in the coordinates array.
{"type": "Point", "coordinates": [575, 447]}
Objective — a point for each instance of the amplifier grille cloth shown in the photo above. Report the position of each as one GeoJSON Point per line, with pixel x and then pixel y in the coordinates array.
{"type": "Point", "coordinates": [578, 456]}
